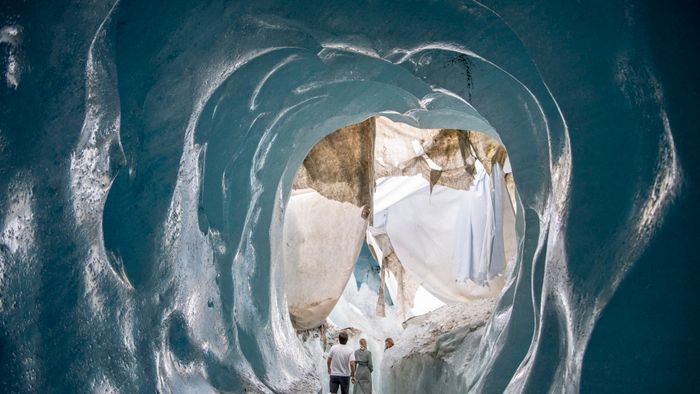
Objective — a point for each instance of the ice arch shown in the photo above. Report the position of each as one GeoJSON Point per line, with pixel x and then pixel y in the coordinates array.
{"type": "Point", "coordinates": [142, 205]}
{"type": "Point", "coordinates": [178, 208]}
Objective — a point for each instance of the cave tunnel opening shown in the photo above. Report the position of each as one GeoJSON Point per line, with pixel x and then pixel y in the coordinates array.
{"type": "Point", "coordinates": [392, 231]}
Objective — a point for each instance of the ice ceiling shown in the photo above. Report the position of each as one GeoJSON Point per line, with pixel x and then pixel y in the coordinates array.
{"type": "Point", "coordinates": [149, 152]}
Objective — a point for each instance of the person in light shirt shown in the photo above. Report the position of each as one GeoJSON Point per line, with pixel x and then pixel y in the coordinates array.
{"type": "Point", "coordinates": [341, 365]}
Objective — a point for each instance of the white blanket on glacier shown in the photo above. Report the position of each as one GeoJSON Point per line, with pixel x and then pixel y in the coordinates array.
{"type": "Point", "coordinates": [452, 240]}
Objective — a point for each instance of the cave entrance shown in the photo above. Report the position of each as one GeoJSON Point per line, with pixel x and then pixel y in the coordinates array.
{"type": "Point", "coordinates": [387, 222]}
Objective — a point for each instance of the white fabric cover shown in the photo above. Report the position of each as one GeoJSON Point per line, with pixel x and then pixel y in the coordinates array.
{"type": "Point", "coordinates": [451, 241]}
{"type": "Point", "coordinates": [322, 240]}
{"type": "Point", "coordinates": [395, 143]}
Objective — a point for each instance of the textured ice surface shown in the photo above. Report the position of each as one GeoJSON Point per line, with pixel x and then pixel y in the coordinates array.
{"type": "Point", "coordinates": [435, 347]}
{"type": "Point", "coordinates": [148, 150]}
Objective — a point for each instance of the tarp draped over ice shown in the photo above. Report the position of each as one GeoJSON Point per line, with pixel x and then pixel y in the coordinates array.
{"type": "Point", "coordinates": [456, 235]}
{"type": "Point", "coordinates": [339, 166]}
{"type": "Point", "coordinates": [325, 222]}
{"type": "Point", "coordinates": [440, 218]}
{"type": "Point", "coordinates": [456, 242]}
{"type": "Point", "coordinates": [441, 156]}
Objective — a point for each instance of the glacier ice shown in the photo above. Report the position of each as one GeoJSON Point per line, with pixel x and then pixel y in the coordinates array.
{"type": "Point", "coordinates": [149, 150]}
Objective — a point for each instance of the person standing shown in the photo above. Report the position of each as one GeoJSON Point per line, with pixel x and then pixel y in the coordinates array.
{"type": "Point", "coordinates": [341, 366]}
{"type": "Point", "coordinates": [388, 344]}
{"type": "Point", "coordinates": [363, 369]}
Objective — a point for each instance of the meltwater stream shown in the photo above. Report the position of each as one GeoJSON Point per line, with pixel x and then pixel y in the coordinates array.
{"type": "Point", "coordinates": [148, 149]}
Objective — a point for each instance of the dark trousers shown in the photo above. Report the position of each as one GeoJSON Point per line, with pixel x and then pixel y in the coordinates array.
{"type": "Point", "coordinates": [342, 381]}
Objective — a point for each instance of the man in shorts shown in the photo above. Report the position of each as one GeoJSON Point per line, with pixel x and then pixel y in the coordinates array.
{"type": "Point", "coordinates": [341, 366]}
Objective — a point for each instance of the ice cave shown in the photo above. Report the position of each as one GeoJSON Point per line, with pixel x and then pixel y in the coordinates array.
{"type": "Point", "coordinates": [434, 208]}
{"type": "Point", "coordinates": [201, 196]}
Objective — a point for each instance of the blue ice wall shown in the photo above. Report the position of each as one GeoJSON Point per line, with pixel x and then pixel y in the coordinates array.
{"type": "Point", "coordinates": [147, 151]}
